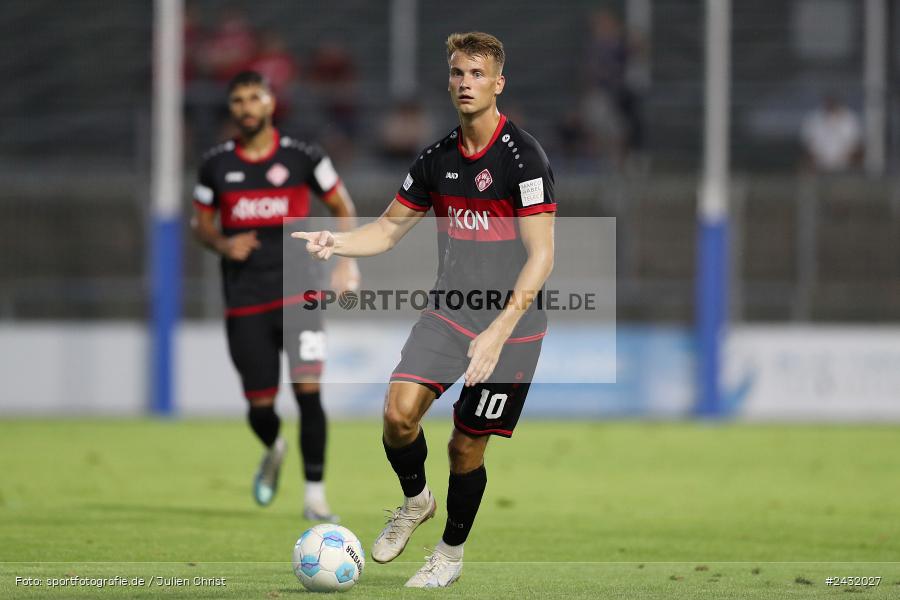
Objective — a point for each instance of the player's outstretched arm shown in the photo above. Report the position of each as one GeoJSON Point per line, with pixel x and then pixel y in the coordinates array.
{"type": "Point", "coordinates": [372, 238]}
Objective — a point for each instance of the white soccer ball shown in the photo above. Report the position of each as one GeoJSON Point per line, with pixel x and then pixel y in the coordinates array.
{"type": "Point", "coordinates": [328, 558]}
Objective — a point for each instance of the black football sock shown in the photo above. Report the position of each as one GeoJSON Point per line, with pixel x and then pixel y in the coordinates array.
{"type": "Point", "coordinates": [265, 423]}
{"type": "Point", "coordinates": [408, 463]}
{"type": "Point", "coordinates": [313, 434]}
{"type": "Point", "coordinates": [463, 498]}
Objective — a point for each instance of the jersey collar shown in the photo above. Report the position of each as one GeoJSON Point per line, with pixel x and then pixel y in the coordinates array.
{"type": "Point", "coordinates": [484, 150]}
{"type": "Point", "coordinates": [276, 141]}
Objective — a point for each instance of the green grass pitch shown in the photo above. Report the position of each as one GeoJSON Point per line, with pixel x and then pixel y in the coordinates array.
{"type": "Point", "coordinates": [572, 510]}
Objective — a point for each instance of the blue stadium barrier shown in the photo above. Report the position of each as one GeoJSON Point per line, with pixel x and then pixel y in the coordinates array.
{"type": "Point", "coordinates": [165, 311]}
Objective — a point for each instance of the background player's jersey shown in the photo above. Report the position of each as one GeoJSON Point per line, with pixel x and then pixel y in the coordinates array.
{"type": "Point", "coordinates": [265, 195]}
{"type": "Point", "coordinates": [477, 199]}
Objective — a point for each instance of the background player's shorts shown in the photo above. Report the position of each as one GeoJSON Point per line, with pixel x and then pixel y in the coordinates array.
{"type": "Point", "coordinates": [435, 356]}
{"type": "Point", "coordinates": [255, 342]}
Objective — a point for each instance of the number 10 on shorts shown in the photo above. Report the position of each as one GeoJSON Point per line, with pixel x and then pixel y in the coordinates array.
{"type": "Point", "coordinates": [494, 408]}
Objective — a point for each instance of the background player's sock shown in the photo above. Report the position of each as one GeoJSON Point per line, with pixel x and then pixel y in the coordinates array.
{"type": "Point", "coordinates": [314, 493]}
{"type": "Point", "coordinates": [463, 498]}
{"type": "Point", "coordinates": [452, 552]}
{"type": "Point", "coordinates": [264, 423]}
{"type": "Point", "coordinates": [408, 463]}
{"type": "Point", "coordinates": [313, 432]}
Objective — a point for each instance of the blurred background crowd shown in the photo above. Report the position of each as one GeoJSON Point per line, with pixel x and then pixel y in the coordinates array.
{"type": "Point", "coordinates": [591, 111]}
{"type": "Point", "coordinates": [613, 90]}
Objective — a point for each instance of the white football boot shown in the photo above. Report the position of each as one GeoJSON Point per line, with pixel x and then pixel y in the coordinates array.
{"type": "Point", "coordinates": [265, 482]}
{"type": "Point", "coordinates": [400, 525]}
{"type": "Point", "coordinates": [440, 570]}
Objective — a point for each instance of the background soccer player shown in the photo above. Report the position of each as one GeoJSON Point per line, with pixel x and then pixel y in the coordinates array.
{"type": "Point", "coordinates": [259, 185]}
{"type": "Point", "coordinates": [491, 185]}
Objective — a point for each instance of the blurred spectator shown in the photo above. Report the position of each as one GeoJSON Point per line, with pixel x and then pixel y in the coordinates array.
{"type": "Point", "coordinates": [199, 126]}
{"type": "Point", "coordinates": [229, 47]}
{"type": "Point", "coordinates": [211, 59]}
{"type": "Point", "coordinates": [575, 142]}
{"type": "Point", "coordinates": [610, 105]}
{"type": "Point", "coordinates": [193, 42]}
{"type": "Point", "coordinates": [832, 137]}
{"type": "Point", "coordinates": [333, 79]}
{"type": "Point", "coordinates": [276, 63]}
{"type": "Point", "coordinates": [405, 130]}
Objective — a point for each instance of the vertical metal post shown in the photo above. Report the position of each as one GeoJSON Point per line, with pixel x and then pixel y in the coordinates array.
{"type": "Point", "coordinates": [639, 20]}
{"type": "Point", "coordinates": [403, 32]}
{"type": "Point", "coordinates": [712, 266]}
{"type": "Point", "coordinates": [875, 86]}
{"type": "Point", "coordinates": [806, 247]}
{"type": "Point", "coordinates": [166, 189]}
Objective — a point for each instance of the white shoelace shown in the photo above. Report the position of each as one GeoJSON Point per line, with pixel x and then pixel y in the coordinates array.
{"type": "Point", "coordinates": [393, 517]}
{"type": "Point", "coordinates": [433, 562]}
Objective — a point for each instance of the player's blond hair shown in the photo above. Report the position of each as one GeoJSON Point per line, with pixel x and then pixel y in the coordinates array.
{"type": "Point", "coordinates": [477, 43]}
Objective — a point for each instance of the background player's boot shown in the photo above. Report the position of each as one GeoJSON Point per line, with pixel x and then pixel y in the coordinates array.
{"type": "Point", "coordinates": [316, 509]}
{"type": "Point", "coordinates": [319, 511]}
{"type": "Point", "coordinates": [440, 570]}
{"type": "Point", "coordinates": [401, 524]}
{"type": "Point", "coordinates": [265, 483]}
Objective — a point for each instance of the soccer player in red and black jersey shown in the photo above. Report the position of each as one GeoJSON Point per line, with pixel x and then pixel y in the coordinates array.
{"type": "Point", "coordinates": [259, 187]}
{"type": "Point", "coordinates": [491, 187]}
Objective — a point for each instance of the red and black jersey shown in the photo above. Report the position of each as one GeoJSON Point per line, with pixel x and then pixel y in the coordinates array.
{"type": "Point", "coordinates": [264, 195]}
{"type": "Point", "coordinates": [478, 200]}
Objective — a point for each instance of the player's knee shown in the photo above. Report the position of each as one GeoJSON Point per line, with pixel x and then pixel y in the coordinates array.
{"type": "Point", "coordinates": [399, 424]}
{"type": "Point", "coordinates": [261, 401]}
{"type": "Point", "coordinates": [306, 387]}
{"type": "Point", "coordinates": [404, 406]}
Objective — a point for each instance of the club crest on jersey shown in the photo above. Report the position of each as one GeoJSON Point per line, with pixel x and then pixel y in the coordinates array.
{"type": "Point", "coordinates": [483, 180]}
{"type": "Point", "coordinates": [277, 174]}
